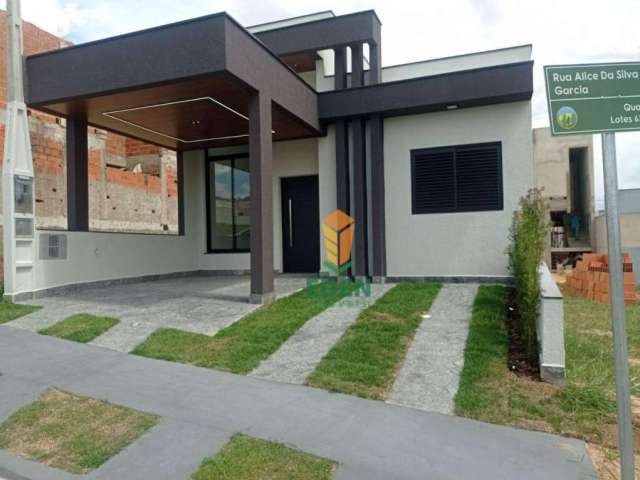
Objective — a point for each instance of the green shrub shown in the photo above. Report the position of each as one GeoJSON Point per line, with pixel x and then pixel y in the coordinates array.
{"type": "Point", "coordinates": [528, 236]}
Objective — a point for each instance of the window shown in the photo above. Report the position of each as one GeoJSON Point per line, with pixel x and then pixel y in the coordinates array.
{"type": "Point", "coordinates": [464, 178]}
{"type": "Point", "coordinates": [228, 204]}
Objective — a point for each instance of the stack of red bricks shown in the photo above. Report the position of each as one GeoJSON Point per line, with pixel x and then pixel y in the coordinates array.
{"type": "Point", "coordinates": [590, 278]}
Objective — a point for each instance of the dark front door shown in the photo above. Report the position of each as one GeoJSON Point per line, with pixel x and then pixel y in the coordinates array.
{"type": "Point", "coordinates": [300, 225]}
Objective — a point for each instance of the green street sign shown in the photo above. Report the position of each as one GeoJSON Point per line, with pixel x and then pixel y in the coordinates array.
{"type": "Point", "coordinates": [593, 98]}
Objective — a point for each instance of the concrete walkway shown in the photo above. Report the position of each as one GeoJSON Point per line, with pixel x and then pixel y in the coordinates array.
{"type": "Point", "coordinates": [198, 304]}
{"type": "Point", "coordinates": [201, 408]}
{"type": "Point", "coordinates": [429, 377]}
{"type": "Point", "coordinates": [300, 354]}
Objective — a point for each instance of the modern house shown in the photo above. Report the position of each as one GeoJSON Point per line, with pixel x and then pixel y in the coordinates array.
{"type": "Point", "coordinates": [276, 126]}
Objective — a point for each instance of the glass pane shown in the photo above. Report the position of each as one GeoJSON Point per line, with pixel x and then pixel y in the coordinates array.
{"type": "Point", "coordinates": [242, 202]}
{"type": "Point", "coordinates": [220, 205]}
{"type": "Point", "coordinates": [23, 194]}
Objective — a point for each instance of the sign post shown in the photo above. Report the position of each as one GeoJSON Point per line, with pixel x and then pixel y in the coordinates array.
{"type": "Point", "coordinates": [604, 98]}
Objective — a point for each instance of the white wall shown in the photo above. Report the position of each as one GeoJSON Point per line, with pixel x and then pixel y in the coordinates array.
{"type": "Point", "coordinates": [327, 179]}
{"type": "Point", "coordinates": [108, 256]}
{"type": "Point", "coordinates": [457, 63]}
{"type": "Point", "coordinates": [457, 243]}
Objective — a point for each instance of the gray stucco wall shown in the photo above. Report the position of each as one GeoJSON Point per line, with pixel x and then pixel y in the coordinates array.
{"type": "Point", "coordinates": [455, 244]}
{"type": "Point", "coordinates": [629, 200]}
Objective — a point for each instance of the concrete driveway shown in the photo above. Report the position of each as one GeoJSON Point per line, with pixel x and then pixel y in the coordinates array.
{"type": "Point", "coordinates": [199, 304]}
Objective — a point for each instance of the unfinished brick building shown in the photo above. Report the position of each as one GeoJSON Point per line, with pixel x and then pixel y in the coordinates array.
{"type": "Point", "coordinates": [133, 185]}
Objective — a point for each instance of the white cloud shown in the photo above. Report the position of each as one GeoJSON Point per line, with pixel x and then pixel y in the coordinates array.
{"type": "Point", "coordinates": [59, 17]}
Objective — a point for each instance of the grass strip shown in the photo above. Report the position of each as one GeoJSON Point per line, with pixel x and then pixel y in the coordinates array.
{"type": "Point", "coordinates": [72, 433]}
{"type": "Point", "coordinates": [12, 311]}
{"type": "Point", "coordinates": [583, 408]}
{"type": "Point", "coordinates": [246, 458]}
{"type": "Point", "coordinates": [486, 345]}
{"type": "Point", "coordinates": [240, 347]}
{"type": "Point", "coordinates": [365, 360]}
{"type": "Point", "coordinates": [80, 328]}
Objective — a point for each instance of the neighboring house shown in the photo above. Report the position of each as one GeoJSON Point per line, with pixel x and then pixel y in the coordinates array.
{"type": "Point", "coordinates": [564, 172]}
{"type": "Point", "coordinates": [277, 128]}
{"type": "Point", "coordinates": [629, 203]}
{"type": "Point", "coordinates": [133, 185]}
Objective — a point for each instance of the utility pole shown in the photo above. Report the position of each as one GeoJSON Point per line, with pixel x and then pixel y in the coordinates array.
{"type": "Point", "coordinates": [616, 280]}
{"type": "Point", "coordinates": [18, 188]}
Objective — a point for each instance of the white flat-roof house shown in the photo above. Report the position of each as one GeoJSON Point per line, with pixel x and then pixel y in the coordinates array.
{"type": "Point", "coordinates": [275, 127]}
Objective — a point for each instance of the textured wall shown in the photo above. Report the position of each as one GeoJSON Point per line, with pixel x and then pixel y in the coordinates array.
{"type": "Point", "coordinates": [454, 244]}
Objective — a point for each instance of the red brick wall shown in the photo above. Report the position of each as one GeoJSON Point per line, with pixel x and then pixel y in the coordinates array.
{"type": "Point", "coordinates": [47, 140]}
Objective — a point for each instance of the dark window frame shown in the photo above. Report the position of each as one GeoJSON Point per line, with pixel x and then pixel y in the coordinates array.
{"type": "Point", "coordinates": [209, 159]}
{"type": "Point", "coordinates": [455, 209]}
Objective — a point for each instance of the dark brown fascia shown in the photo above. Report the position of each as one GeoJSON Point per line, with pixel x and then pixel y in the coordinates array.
{"type": "Point", "coordinates": [359, 27]}
{"type": "Point", "coordinates": [164, 55]}
{"type": "Point", "coordinates": [468, 88]}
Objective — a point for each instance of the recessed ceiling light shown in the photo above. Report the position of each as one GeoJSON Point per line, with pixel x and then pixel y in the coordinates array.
{"type": "Point", "coordinates": [195, 123]}
{"type": "Point", "coordinates": [451, 107]}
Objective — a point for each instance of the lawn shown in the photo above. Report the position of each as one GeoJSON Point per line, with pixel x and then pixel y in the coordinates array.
{"type": "Point", "coordinates": [584, 408]}
{"type": "Point", "coordinates": [80, 328]}
{"type": "Point", "coordinates": [246, 458]}
{"type": "Point", "coordinates": [72, 433]}
{"type": "Point", "coordinates": [11, 311]}
{"type": "Point", "coordinates": [365, 360]}
{"type": "Point", "coordinates": [240, 347]}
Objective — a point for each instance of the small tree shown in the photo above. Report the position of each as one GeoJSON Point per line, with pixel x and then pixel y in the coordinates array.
{"type": "Point", "coordinates": [528, 235]}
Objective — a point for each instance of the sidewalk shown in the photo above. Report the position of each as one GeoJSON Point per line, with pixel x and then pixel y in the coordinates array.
{"type": "Point", "coordinates": [370, 440]}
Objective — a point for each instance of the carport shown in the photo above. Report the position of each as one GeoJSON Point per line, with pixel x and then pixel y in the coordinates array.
{"type": "Point", "coordinates": [197, 84]}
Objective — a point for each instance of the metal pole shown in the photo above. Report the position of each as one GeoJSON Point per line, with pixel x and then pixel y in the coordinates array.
{"type": "Point", "coordinates": [616, 288]}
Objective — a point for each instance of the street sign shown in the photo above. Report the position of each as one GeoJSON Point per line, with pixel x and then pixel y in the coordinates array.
{"type": "Point", "coordinates": [604, 98]}
{"type": "Point", "coordinates": [593, 98]}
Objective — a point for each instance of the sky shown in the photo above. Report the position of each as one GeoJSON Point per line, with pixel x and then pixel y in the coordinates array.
{"type": "Point", "coordinates": [567, 31]}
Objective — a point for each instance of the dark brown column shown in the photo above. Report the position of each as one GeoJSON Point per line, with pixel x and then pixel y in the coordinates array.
{"type": "Point", "coordinates": [180, 175]}
{"type": "Point", "coordinates": [260, 167]}
{"type": "Point", "coordinates": [378, 251]}
{"type": "Point", "coordinates": [360, 265]}
{"type": "Point", "coordinates": [357, 65]}
{"type": "Point", "coordinates": [340, 70]}
{"type": "Point", "coordinates": [375, 68]}
{"type": "Point", "coordinates": [342, 145]}
{"type": "Point", "coordinates": [77, 175]}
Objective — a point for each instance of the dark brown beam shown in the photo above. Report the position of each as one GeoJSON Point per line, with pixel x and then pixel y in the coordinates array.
{"type": "Point", "coordinates": [180, 175]}
{"type": "Point", "coordinates": [77, 175]}
{"type": "Point", "coordinates": [470, 88]}
{"type": "Point", "coordinates": [342, 147]}
{"type": "Point", "coordinates": [342, 167]}
{"type": "Point", "coordinates": [261, 183]}
{"type": "Point", "coordinates": [375, 64]}
{"type": "Point", "coordinates": [357, 65]}
{"type": "Point", "coordinates": [379, 260]}
{"type": "Point", "coordinates": [360, 265]}
{"type": "Point", "coordinates": [340, 77]}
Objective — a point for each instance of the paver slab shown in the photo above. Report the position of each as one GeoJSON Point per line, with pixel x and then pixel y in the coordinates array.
{"type": "Point", "coordinates": [294, 361]}
{"type": "Point", "coordinates": [430, 375]}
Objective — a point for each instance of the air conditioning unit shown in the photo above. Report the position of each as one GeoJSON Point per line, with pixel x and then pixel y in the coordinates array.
{"type": "Point", "coordinates": [53, 246]}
